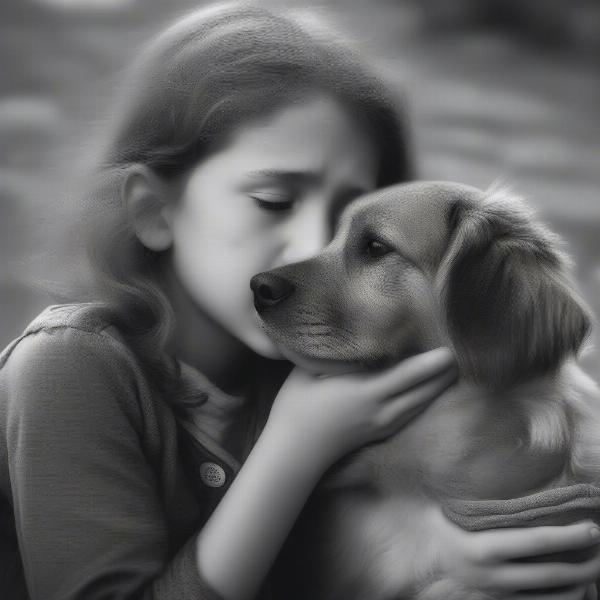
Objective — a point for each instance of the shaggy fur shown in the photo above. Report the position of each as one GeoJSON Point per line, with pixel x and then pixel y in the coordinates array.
{"type": "Point", "coordinates": [414, 267]}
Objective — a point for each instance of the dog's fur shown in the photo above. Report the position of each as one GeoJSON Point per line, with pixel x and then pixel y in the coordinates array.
{"type": "Point", "coordinates": [467, 269]}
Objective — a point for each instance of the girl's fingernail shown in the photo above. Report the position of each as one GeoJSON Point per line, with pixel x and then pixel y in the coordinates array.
{"type": "Point", "coordinates": [595, 533]}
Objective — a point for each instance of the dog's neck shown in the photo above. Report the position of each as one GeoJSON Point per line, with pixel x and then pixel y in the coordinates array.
{"type": "Point", "coordinates": [470, 442]}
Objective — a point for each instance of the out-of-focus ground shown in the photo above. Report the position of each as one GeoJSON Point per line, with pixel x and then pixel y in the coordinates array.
{"type": "Point", "coordinates": [497, 89]}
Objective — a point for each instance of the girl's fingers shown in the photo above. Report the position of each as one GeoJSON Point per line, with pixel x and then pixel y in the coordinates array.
{"type": "Point", "coordinates": [535, 541]}
{"type": "Point", "coordinates": [415, 400]}
{"type": "Point", "coordinates": [408, 373]}
{"type": "Point", "coordinates": [533, 576]}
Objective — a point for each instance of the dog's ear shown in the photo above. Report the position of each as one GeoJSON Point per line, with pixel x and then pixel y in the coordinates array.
{"type": "Point", "coordinates": [511, 310]}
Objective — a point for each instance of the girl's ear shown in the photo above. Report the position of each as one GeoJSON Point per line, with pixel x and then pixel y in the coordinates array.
{"type": "Point", "coordinates": [149, 207]}
{"type": "Point", "coordinates": [511, 309]}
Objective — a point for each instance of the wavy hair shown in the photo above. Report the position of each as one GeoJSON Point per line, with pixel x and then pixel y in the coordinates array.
{"type": "Point", "coordinates": [190, 88]}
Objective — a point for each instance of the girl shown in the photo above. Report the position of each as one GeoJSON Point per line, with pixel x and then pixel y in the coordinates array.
{"type": "Point", "coordinates": [126, 419]}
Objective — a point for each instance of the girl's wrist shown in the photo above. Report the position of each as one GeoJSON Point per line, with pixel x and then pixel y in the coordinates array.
{"type": "Point", "coordinates": [258, 511]}
{"type": "Point", "coordinates": [301, 451]}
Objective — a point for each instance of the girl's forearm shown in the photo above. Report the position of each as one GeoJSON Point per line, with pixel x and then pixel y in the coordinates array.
{"type": "Point", "coordinates": [240, 541]}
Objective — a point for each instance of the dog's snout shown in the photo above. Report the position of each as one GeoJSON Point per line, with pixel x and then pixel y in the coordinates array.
{"type": "Point", "coordinates": [269, 289]}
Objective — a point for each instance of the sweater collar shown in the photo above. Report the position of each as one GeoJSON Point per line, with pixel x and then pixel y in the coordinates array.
{"type": "Point", "coordinates": [209, 414]}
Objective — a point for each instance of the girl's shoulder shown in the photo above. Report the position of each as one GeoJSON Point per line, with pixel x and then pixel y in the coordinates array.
{"type": "Point", "coordinates": [80, 315]}
{"type": "Point", "coordinates": [87, 317]}
{"type": "Point", "coordinates": [70, 340]}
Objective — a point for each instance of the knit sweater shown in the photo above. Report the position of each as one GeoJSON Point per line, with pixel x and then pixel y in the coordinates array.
{"type": "Point", "coordinates": [103, 485]}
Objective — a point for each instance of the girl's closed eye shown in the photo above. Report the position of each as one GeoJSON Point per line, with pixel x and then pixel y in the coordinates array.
{"type": "Point", "coordinates": [273, 200]}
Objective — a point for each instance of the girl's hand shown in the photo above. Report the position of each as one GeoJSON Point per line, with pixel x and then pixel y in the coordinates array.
{"type": "Point", "coordinates": [486, 561]}
{"type": "Point", "coordinates": [331, 416]}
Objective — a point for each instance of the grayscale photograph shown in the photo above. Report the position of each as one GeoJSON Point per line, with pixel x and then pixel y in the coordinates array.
{"type": "Point", "coordinates": [299, 300]}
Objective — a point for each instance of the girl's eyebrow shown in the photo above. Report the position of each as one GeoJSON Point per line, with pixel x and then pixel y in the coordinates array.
{"type": "Point", "coordinates": [306, 177]}
{"type": "Point", "coordinates": [287, 176]}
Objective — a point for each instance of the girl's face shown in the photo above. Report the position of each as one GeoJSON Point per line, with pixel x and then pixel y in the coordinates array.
{"type": "Point", "coordinates": [267, 199]}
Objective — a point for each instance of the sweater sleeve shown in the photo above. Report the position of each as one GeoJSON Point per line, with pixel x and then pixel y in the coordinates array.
{"type": "Point", "coordinates": [88, 512]}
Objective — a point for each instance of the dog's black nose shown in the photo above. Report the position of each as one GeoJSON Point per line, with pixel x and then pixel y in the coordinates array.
{"type": "Point", "coordinates": [269, 289]}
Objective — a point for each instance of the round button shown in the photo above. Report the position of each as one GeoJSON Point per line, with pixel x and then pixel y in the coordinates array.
{"type": "Point", "coordinates": [212, 474]}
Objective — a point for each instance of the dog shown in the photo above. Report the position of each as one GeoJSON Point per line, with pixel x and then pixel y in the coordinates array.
{"type": "Point", "coordinates": [410, 268]}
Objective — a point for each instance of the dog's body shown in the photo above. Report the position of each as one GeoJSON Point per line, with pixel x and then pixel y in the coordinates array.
{"type": "Point", "coordinates": [411, 268]}
{"type": "Point", "coordinates": [372, 530]}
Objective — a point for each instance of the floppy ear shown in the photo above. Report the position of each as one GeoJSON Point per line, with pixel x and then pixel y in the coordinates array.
{"type": "Point", "coordinates": [511, 310]}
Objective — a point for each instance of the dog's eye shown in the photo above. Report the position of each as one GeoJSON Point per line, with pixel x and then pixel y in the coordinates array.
{"type": "Point", "coordinates": [375, 248]}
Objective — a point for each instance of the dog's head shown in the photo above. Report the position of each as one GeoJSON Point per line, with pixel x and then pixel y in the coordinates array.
{"type": "Point", "coordinates": [415, 266]}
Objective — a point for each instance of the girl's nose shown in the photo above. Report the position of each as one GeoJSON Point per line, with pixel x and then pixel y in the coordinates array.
{"type": "Point", "coordinates": [306, 235]}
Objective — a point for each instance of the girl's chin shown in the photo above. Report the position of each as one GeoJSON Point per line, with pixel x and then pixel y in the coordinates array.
{"type": "Point", "coordinates": [264, 346]}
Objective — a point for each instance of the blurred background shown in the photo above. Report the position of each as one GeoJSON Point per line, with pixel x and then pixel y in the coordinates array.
{"type": "Point", "coordinates": [505, 89]}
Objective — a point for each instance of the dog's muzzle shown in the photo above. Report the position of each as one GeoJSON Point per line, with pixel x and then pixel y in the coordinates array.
{"type": "Point", "coordinates": [269, 290]}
